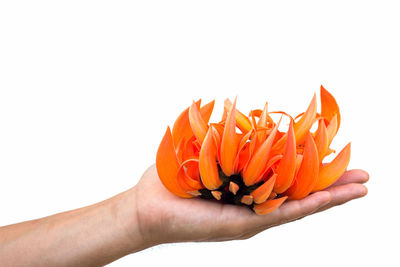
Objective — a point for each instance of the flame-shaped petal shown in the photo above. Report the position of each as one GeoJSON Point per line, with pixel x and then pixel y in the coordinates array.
{"type": "Point", "coordinates": [207, 110]}
{"type": "Point", "coordinates": [263, 191]}
{"type": "Point", "coordinates": [252, 173]}
{"type": "Point", "coordinates": [270, 166]}
{"type": "Point", "coordinates": [229, 143]}
{"type": "Point", "coordinates": [269, 206]}
{"type": "Point", "coordinates": [243, 142]}
{"type": "Point", "coordinates": [181, 129]}
{"type": "Point", "coordinates": [302, 127]}
{"type": "Point", "coordinates": [242, 121]}
{"type": "Point", "coordinates": [185, 180]}
{"type": "Point", "coordinates": [329, 107]}
{"type": "Point", "coordinates": [332, 171]}
{"type": "Point", "coordinates": [308, 172]}
{"type": "Point", "coordinates": [197, 123]}
{"type": "Point", "coordinates": [287, 166]}
{"type": "Point", "coordinates": [332, 129]}
{"type": "Point", "coordinates": [262, 123]}
{"type": "Point", "coordinates": [208, 162]}
{"type": "Point", "coordinates": [167, 165]}
{"type": "Point", "coordinates": [321, 140]}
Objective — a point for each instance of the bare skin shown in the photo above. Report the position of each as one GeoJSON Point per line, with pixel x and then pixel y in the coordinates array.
{"type": "Point", "coordinates": [147, 215]}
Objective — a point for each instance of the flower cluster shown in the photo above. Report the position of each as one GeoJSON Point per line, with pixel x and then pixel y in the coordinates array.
{"type": "Point", "coordinates": [247, 160]}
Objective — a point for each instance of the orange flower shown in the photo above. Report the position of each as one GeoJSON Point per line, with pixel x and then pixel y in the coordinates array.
{"type": "Point", "coordinates": [246, 160]}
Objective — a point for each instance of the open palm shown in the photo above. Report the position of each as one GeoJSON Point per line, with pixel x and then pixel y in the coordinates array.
{"type": "Point", "coordinates": [167, 218]}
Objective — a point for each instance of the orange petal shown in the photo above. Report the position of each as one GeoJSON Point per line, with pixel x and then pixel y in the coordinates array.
{"type": "Point", "coordinates": [302, 127]}
{"type": "Point", "coordinates": [299, 160]}
{"type": "Point", "coordinates": [252, 173]}
{"type": "Point", "coordinates": [262, 122]}
{"type": "Point", "coordinates": [185, 180]}
{"type": "Point", "coordinates": [167, 165]}
{"type": "Point", "coordinates": [321, 140]}
{"type": "Point", "coordinates": [272, 195]}
{"type": "Point", "coordinates": [332, 129]}
{"type": "Point", "coordinates": [329, 107]}
{"type": "Point", "coordinates": [263, 191]}
{"type": "Point", "coordinates": [207, 110]}
{"type": "Point", "coordinates": [244, 157]}
{"type": "Point", "coordinates": [197, 123]}
{"type": "Point", "coordinates": [242, 121]}
{"type": "Point", "coordinates": [181, 129]}
{"type": "Point", "coordinates": [187, 183]}
{"type": "Point", "coordinates": [208, 162]}
{"type": "Point", "coordinates": [329, 173]}
{"type": "Point", "coordinates": [268, 206]}
{"type": "Point", "coordinates": [255, 113]}
{"type": "Point", "coordinates": [270, 165]}
{"type": "Point", "coordinates": [241, 147]}
{"type": "Point", "coordinates": [308, 172]}
{"type": "Point", "coordinates": [229, 144]}
{"type": "Point", "coordinates": [287, 166]}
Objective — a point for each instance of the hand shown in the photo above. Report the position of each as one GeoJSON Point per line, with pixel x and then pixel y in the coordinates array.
{"type": "Point", "coordinates": [147, 215]}
{"type": "Point", "coordinates": [165, 218]}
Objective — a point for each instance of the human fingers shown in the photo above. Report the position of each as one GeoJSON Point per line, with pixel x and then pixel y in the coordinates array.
{"type": "Point", "coordinates": [344, 193]}
{"type": "Point", "coordinates": [289, 211]}
{"type": "Point", "coordinates": [352, 176]}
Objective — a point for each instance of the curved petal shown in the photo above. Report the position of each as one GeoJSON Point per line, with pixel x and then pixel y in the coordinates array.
{"type": "Point", "coordinates": [268, 206]}
{"type": "Point", "coordinates": [262, 123]}
{"type": "Point", "coordinates": [302, 127]}
{"type": "Point", "coordinates": [241, 147]}
{"type": "Point", "coordinates": [229, 144]}
{"type": "Point", "coordinates": [181, 129]}
{"type": "Point", "coordinates": [332, 171]}
{"type": "Point", "coordinates": [207, 110]}
{"type": "Point", "coordinates": [242, 121]}
{"type": "Point", "coordinates": [208, 162]}
{"type": "Point", "coordinates": [308, 172]}
{"type": "Point", "coordinates": [185, 181]}
{"type": "Point", "coordinates": [197, 123]}
{"type": "Point", "coordinates": [263, 191]}
{"type": "Point", "coordinates": [321, 140]}
{"type": "Point", "coordinates": [329, 107]}
{"type": "Point", "coordinates": [270, 165]}
{"type": "Point", "coordinates": [332, 129]}
{"type": "Point", "coordinates": [287, 166]}
{"type": "Point", "coordinates": [252, 173]}
{"type": "Point", "coordinates": [167, 165]}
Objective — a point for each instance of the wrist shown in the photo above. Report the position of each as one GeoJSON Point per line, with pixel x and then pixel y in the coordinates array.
{"type": "Point", "coordinates": [128, 218]}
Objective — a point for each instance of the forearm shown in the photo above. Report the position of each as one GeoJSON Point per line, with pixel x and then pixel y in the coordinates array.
{"type": "Point", "coordinates": [93, 235]}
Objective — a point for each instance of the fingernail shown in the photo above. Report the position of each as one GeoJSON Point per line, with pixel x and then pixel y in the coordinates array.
{"type": "Point", "coordinates": [364, 191]}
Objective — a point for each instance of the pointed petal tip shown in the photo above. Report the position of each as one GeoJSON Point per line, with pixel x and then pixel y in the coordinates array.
{"type": "Point", "coordinates": [208, 162]}
{"type": "Point", "coordinates": [262, 193]}
{"type": "Point", "coordinates": [269, 205]}
{"type": "Point", "coordinates": [332, 171]}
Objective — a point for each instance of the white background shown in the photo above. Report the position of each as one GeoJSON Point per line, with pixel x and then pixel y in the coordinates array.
{"type": "Point", "coordinates": [87, 89]}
